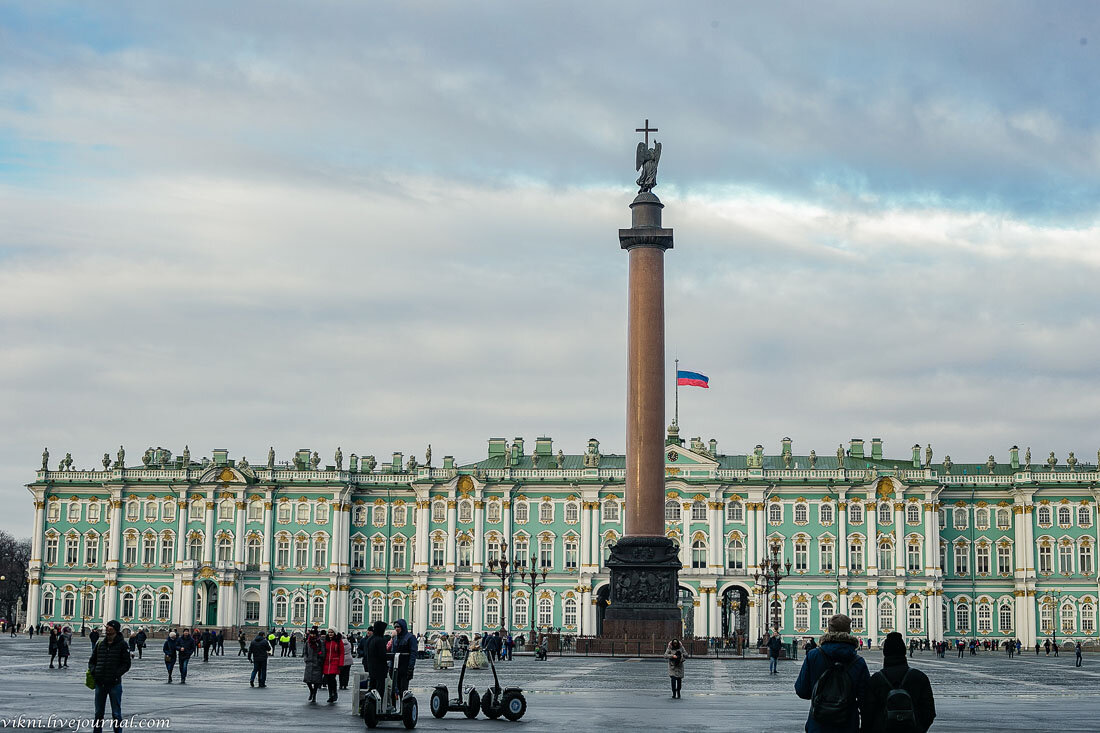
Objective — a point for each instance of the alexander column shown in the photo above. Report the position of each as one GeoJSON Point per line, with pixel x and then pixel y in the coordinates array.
{"type": "Point", "coordinates": [644, 562]}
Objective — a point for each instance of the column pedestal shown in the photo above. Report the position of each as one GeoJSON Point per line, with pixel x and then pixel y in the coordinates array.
{"type": "Point", "coordinates": [643, 589]}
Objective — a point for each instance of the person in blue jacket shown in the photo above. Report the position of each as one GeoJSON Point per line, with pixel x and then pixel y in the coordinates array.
{"type": "Point", "coordinates": [837, 645]}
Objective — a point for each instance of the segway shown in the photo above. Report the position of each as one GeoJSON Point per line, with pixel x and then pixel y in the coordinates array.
{"type": "Point", "coordinates": [507, 701]}
{"type": "Point", "coordinates": [468, 705]}
{"type": "Point", "coordinates": [388, 706]}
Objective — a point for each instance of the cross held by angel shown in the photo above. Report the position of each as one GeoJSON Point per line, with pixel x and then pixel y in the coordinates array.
{"type": "Point", "coordinates": [647, 160]}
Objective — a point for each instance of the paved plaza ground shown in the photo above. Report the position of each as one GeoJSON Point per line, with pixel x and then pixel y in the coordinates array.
{"type": "Point", "coordinates": [984, 693]}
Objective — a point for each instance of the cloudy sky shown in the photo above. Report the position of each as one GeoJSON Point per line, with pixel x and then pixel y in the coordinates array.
{"type": "Point", "coordinates": [380, 226]}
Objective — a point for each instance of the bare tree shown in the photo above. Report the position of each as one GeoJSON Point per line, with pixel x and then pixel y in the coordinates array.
{"type": "Point", "coordinates": [15, 556]}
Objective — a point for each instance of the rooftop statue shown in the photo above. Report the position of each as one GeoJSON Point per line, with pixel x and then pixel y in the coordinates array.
{"type": "Point", "coordinates": [561, 458]}
{"type": "Point", "coordinates": [1027, 458]}
{"type": "Point", "coordinates": [813, 459]}
{"type": "Point", "coordinates": [314, 461]}
{"type": "Point", "coordinates": [840, 456]}
{"type": "Point", "coordinates": [339, 458]}
{"type": "Point", "coordinates": [106, 461]}
{"type": "Point", "coordinates": [271, 457]}
{"type": "Point", "coordinates": [928, 456]}
{"type": "Point", "coordinates": [1072, 461]}
{"type": "Point", "coordinates": [353, 463]}
{"type": "Point", "coordinates": [243, 463]}
{"type": "Point", "coordinates": [121, 457]}
{"type": "Point", "coordinates": [1052, 461]}
{"type": "Point", "coordinates": [186, 456]}
{"type": "Point", "coordinates": [428, 455]}
{"type": "Point", "coordinates": [46, 458]}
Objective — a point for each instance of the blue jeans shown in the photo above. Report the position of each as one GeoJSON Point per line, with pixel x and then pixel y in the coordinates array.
{"type": "Point", "coordinates": [183, 667]}
{"type": "Point", "coordinates": [259, 668]}
{"type": "Point", "coordinates": [773, 663]}
{"type": "Point", "coordinates": [101, 695]}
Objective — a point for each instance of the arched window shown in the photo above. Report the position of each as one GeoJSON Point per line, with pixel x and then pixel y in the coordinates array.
{"type": "Point", "coordinates": [492, 613]}
{"type": "Point", "coordinates": [981, 518]}
{"type": "Point", "coordinates": [672, 511]}
{"type": "Point", "coordinates": [1042, 516]}
{"type": "Point", "coordinates": [132, 509]}
{"type": "Point", "coordinates": [439, 511]}
{"type": "Point", "coordinates": [194, 548]}
{"type": "Point", "coordinates": [465, 511]}
{"type": "Point", "coordinates": [885, 514]}
{"type": "Point", "coordinates": [47, 602]}
{"type": "Point", "coordinates": [399, 515]}
{"type": "Point", "coordinates": [397, 556]}
{"type": "Point", "coordinates": [985, 618]}
{"type": "Point", "coordinates": [1004, 617]}
{"type": "Point", "coordinates": [93, 511]}
{"type": "Point", "coordinates": [91, 549]}
{"type": "Point", "coordinates": [1046, 616]}
{"type": "Point", "coordinates": [465, 554]}
{"type": "Point", "coordinates": [569, 613]}
{"type": "Point", "coordinates": [356, 610]}
{"type": "Point", "coordinates": [885, 616]}
{"type": "Point", "coordinates": [827, 612]}
{"type": "Point", "coordinates": [254, 552]}
{"type": "Point", "coordinates": [546, 511]}
{"type": "Point", "coordinates": [462, 611]}
{"type": "Point", "coordinates": [492, 512]}
{"type": "Point", "coordinates": [225, 549]}
{"type": "Point", "coordinates": [435, 612]}
{"type": "Point", "coordinates": [127, 605]}
{"type": "Point", "coordinates": [74, 512]}
{"type": "Point", "coordinates": [1065, 516]}
{"type": "Point", "coordinates": [855, 556]}
{"type": "Point", "coordinates": [855, 513]}
{"type": "Point", "coordinates": [916, 617]}
{"type": "Point", "coordinates": [962, 617]}
{"type": "Point", "coordinates": [150, 511]}
{"type": "Point", "coordinates": [280, 608]}
{"type": "Point", "coordinates": [735, 512]}
{"type": "Point", "coordinates": [519, 611]}
{"type": "Point", "coordinates": [775, 512]}
{"type": "Point", "coordinates": [302, 515]}
{"type": "Point", "coordinates": [377, 608]}
{"type": "Point", "coordinates": [698, 554]}
{"type": "Point", "coordinates": [962, 559]}
{"type": "Point", "coordinates": [825, 513]}
{"type": "Point", "coordinates": [1004, 518]}
{"type": "Point", "coordinates": [301, 551]}
{"type": "Point", "coordinates": [1084, 559]}
{"type": "Point", "coordinates": [572, 553]}
{"type": "Point", "coordinates": [146, 606]}
{"type": "Point", "coordinates": [282, 552]}
{"type": "Point", "coordinates": [801, 513]}
{"type": "Point", "coordinates": [68, 604]}
{"type": "Point", "coordinates": [913, 556]}
{"type": "Point", "coordinates": [149, 549]}
{"type": "Point", "coordinates": [131, 545]}
{"type": "Point", "coordinates": [801, 556]}
{"type": "Point", "coordinates": [735, 554]}
{"type": "Point", "coordinates": [1069, 618]}
{"type": "Point", "coordinates": [164, 607]}
{"type": "Point", "coordinates": [610, 510]}
{"type": "Point", "coordinates": [572, 512]}
{"type": "Point", "coordinates": [886, 558]}
{"type": "Point", "coordinates": [546, 612]}
{"type": "Point", "coordinates": [960, 517]}
{"type": "Point", "coordinates": [1088, 618]}
{"type": "Point", "coordinates": [439, 551]}
{"type": "Point", "coordinates": [912, 514]}
{"type": "Point", "coordinates": [857, 615]}
{"type": "Point", "coordinates": [51, 550]}
{"type": "Point", "coordinates": [981, 558]}
{"type": "Point", "coordinates": [53, 511]}
{"type": "Point", "coordinates": [283, 513]}
{"type": "Point", "coordinates": [801, 615]}
{"type": "Point", "coordinates": [318, 610]}
{"type": "Point", "coordinates": [320, 552]}
{"type": "Point", "coordinates": [321, 514]}
{"type": "Point", "coordinates": [1046, 557]}
{"type": "Point", "coordinates": [521, 511]}
{"type": "Point", "coordinates": [255, 510]}
{"type": "Point", "coordinates": [225, 510]}
{"type": "Point", "coordinates": [360, 516]}
{"type": "Point", "coordinates": [698, 511]}
{"type": "Point", "coordinates": [1084, 516]}
{"type": "Point", "coordinates": [1065, 558]}
{"type": "Point", "coordinates": [299, 616]}
{"type": "Point", "coordinates": [825, 555]}
{"type": "Point", "coordinates": [397, 609]}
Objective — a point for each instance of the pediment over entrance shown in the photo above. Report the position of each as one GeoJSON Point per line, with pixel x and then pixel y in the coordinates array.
{"type": "Point", "coordinates": [226, 475]}
{"type": "Point", "coordinates": [678, 457]}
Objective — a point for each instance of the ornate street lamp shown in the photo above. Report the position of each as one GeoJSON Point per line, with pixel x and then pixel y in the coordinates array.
{"type": "Point", "coordinates": [531, 579]}
{"type": "Point", "coordinates": [768, 577]}
{"type": "Point", "coordinates": [84, 584]}
{"type": "Point", "coordinates": [504, 570]}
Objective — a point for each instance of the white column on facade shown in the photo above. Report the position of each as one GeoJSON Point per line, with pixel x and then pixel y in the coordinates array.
{"type": "Point", "coordinates": [713, 626]}
{"type": "Point", "coordinates": [227, 603]}
{"type": "Point", "coordinates": [899, 539]}
{"type": "Point", "coordinates": [451, 519]}
{"type": "Point", "coordinates": [449, 609]}
{"type": "Point", "coordinates": [423, 517]}
{"type": "Point", "coordinates": [181, 527]}
{"type": "Point", "coordinates": [477, 602]}
{"type": "Point", "coordinates": [931, 536]}
{"type": "Point", "coordinates": [265, 600]}
{"type": "Point", "coordinates": [479, 533]}
{"type": "Point", "coordinates": [872, 616]}
{"type": "Point", "coordinates": [238, 550]}
{"type": "Point", "coordinates": [586, 534]}
{"type": "Point", "coordinates": [716, 514]}
{"type": "Point", "coordinates": [177, 600]}
{"type": "Point", "coordinates": [268, 545]}
{"type": "Point", "coordinates": [208, 541]}
{"type": "Point", "coordinates": [700, 613]}
{"type": "Point", "coordinates": [842, 535]}
{"type": "Point", "coordinates": [596, 548]}
{"type": "Point", "coordinates": [870, 510]}
{"type": "Point", "coordinates": [39, 534]}
{"type": "Point", "coordinates": [187, 603]}
{"type": "Point", "coordinates": [115, 530]}
{"type": "Point", "coordinates": [421, 602]}
{"type": "Point", "coordinates": [685, 538]}
{"type": "Point", "coordinates": [750, 537]}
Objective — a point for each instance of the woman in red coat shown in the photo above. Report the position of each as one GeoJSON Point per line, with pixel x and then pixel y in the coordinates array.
{"type": "Point", "coordinates": [334, 659]}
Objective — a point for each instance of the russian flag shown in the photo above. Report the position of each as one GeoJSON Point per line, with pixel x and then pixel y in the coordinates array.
{"type": "Point", "coordinates": [692, 379]}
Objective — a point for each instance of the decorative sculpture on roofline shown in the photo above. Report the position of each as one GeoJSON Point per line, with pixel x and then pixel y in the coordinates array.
{"type": "Point", "coordinates": [647, 159]}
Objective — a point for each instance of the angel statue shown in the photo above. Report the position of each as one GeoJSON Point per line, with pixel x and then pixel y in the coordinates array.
{"type": "Point", "coordinates": [646, 162]}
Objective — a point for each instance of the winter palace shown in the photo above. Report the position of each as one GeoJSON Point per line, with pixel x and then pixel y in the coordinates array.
{"type": "Point", "coordinates": [1001, 549]}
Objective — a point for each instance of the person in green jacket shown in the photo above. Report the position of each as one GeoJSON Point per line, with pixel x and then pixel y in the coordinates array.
{"type": "Point", "coordinates": [109, 661]}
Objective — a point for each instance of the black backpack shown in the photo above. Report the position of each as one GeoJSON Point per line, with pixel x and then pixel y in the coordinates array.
{"type": "Point", "coordinates": [898, 713]}
{"type": "Point", "coordinates": [833, 698]}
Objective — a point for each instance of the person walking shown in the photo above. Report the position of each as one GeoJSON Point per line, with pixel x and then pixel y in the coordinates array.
{"type": "Point", "coordinates": [374, 657]}
{"type": "Point", "coordinates": [314, 656]}
{"type": "Point", "coordinates": [185, 647]}
{"type": "Point", "coordinates": [294, 644]}
{"type": "Point", "coordinates": [53, 646]}
{"type": "Point", "coordinates": [675, 655]}
{"type": "Point", "coordinates": [899, 697]}
{"type": "Point", "coordinates": [1077, 649]}
{"type": "Point", "coordinates": [169, 650]}
{"type": "Point", "coordinates": [284, 644]}
{"type": "Point", "coordinates": [110, 660]}
{"type": "Point", "coordinates": [1054, 648]}
{"type": "Point", "coordinates": [334, 660]}
{"type": "Point", "coordinates": [345, 667]}
{"type": "Point", "coordinates": [243, 642]}
{"type": "Point", "coordinates": [140, 641]}
{"type": "Point", "coordinates": [257, 652]}
{"type": "Point", "coordinates": [63, 650]}
{"type": "Point", "coordinates": [93, 636]}
{"type": "Point", "coordinates": [775, 647]}
{"type": "Point", "coordinates": [219, 643]}
{"type": "Point", "coordinates": [835, 701]}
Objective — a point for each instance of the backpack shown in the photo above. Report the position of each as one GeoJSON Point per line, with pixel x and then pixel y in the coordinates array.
{"type": "Point", "coordinates": [899, 714]}
{"type": "Point", "coordinates": [833, 698]}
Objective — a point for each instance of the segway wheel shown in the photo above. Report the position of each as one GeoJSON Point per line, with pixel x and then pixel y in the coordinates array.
{"type": "Point", "coordinates": [439, 702]}
{"type": "Point", "coordinates": [474, 703]}
{"type": "Point", "coordinates": [409, 712]}
{"type": "Point", "coordinates": [491, 711]}
{"type": "Point", "coordinates": [515, 705]}
{"type": "Point", "coordinates": [370, 713]}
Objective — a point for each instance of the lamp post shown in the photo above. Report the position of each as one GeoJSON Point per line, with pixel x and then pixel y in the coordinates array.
{"type": "Point", "coordinates": [504, 570]}
{"type": "Point", "coordinates": [1055, 611]}
{"type": "Point", "coordinates": [772, 573]}
{"type": "Point", "coordinates": [532, 580]}
{"type": "Point", "coordinates": [84, 584]}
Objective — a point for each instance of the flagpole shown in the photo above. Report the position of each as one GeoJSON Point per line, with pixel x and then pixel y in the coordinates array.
{"type": "Point", "coordinates": [676, 378]}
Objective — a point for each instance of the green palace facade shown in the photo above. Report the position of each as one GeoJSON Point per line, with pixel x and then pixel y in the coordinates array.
{"type": "Point", "coordinates": [1002, 549]}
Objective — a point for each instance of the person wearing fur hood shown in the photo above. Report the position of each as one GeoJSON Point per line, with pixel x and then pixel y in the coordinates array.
{"type": "Point", "coordinates": [837, 645]}
{"type": "Point", "coordinates": [676, 654]}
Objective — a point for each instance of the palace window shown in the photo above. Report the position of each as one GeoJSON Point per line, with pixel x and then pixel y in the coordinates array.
{"type": "Point", "coordinates": [775, 513]}
{"type": "Point", "coordinates": [962, 560]}
{"type": "Point", "coordinates": [194, 549]}
{"type": "Point", "coordinates": [962, 617]}
{"type": "Point", "coordinates": [400, 515]}
{"type": "Point", "coordinates": [916, 617]}
{"type": "Point", "coordinates": [51, 550]}
{"type": "Point", "coordinates": [572, 553]}
{"type": "Point", "coordinates": [302, 513]}
{"type": "Point", "coordinates": [519, 611]}
{"type": "Point", "coordinates": [981, 518]}
{"type": "Point", "coordinates": [1004, 618]}
{"type": "Point", "coordinates": [735, 553]}
{"type": "Point", "coordinates": [465, 511]}
{"type": "Point", "coordinates": [492, 613]}
{"type": "Point", "coordinates": [283, 513]}
{"type": "Point", "coordinates": [72, 550]}
{"type": "Point", "coordinates": [436, 612]}
{"type": "Point", "coordinates": [982, 559]}
{"type": "Point", "coordinates": [885, 616]}
{"type": "Point", "coordinates": [196, 509]}
{"type": "Point", "coordinates": [438, 553]}
{"type": "Point", "coordinates": [546, 612]}
{"type": "Point", "coordinates": [519, 552]}
{"type": "Point", "coordinates": [1046, 617]}
{"type": "Point", "coordinates": [801, 615]}
{"type": "Point", "coordinates": [255, 510]}
{"type": "Point", "coordinates": [439, 511]}
{"type": "Point", "coordinates": [320, 552]}
{"type": "Point", "coordinates": [912, 514]}
{"type": "Point", "coordinates": [672, 511]}
{"type": "Point", "coordinates": [735, 512]}
{"type": "Point", "coordinates": [357, 610]}
{"type": "Point", "coordinates": [398, 557]}
{"type": "Point", "coordinates": [318, 610]}
{"type": "Point", "coordinates": [943, 518]}
{"type": "Point", "coordinates": [299, 616]}
{"type": "Point", "coordinates": [1084, 559]}
{"type": "Point", "coordinates": [465, 554]}
{"type": "Point", "coordinates": [280, 608]}
{"type": "Point", "coordinates": [857, 615]}
{"type": "Point", "coordinates": [359, 518]}
{"type": "Point", "coordinates": [225, 510]}
{"type": "Point", "coordinates": [886, 558]}
{"type": "Point", "coordinates": [47, 603]}
{"type": "Point", "coordinates": [825, 557]}
{"type": "Point", "coordinates": [282, 552]}
{"type": "Point", "coordinates": [1088, 618]}
{"type": "Point", "coordinates": [1004, 518]}
{"type": "Point", "coordinates": [546, 553]}
{"type": "Point", "coordinates": [1004, 559]}
{"type": "Point", "coordinates": [358, 555]}
{"type": "Point", "coordinates": [462, 611]}
{"type": "Point", "coordinates": [801, 556]}
{"type": "Point", "coordinates": [1084, 516]}
{"type": "Point", "coordinates": [150, 511]}
{"type": "Point", "coordinates": [321, 514]}
{"type": "Point", "coordinates": [960, 517]}
{"type": "Point", "coordinates": [146, 606]}
{"type": "Point", "coordinates": [301, 552]}
{"type": "Point", "coordinates": [1065, 559]}
{"type": "Point", "coordinates": [855, 557]}
{"type": "Point", "coordinates": [132, 509]}
{"type": "Point", "coordinates": [149, 550]}
{"type": "Point", "coordinates": [1046, 559]}
{"type": "Point", "coordinates": [1042, 515]}
{"type": "Point", "coordinates": [127, 605]}
{"type": "Point", "coordinates": [53, 511]}
{"type": "Point", "coordinates": [378, 556]}
{"type": "Point", "coordinates": [855, 513]}
{"type": "Point", "coordinates": [698, 555]}
{"type": "Point", "coordinates": [572, 513]}
{"type": "Point", "coordinates": [569, 612]}
{"type": "Point", "coordinates": [492, 513]}
{"type": "Point", "coordinates": [885, 514]}
{"type": "Point", "coordinates": [521, 511]}
{"type": "Point", "coordinates": [698, 511]}
{"type": "Point", "coordinates": [225, 549]}
{"type": "Point", "coordinates": [827, 611]}
{"type": "Point", "coordinates": [1065, 516]}
{"type": "Point", "coordinates": [546, 511]}
{"type": "Point", "coordinates": [610, 510]}
{"type": "Point", "coordinates": [1069, 618]}
{"type": "Point", "coordinates": [91, 549]}
{"type": "Point", "coordinates": [985, 618]}
{"type": "Point", "coordinates": [825, 513]}
{"type": "Point", "coordinates": [168, 510]}
{"type": "Point", "coordinates": [801, 513]}
{"type": "Point", "coordinates": [131, 548]}
{"type": "Point", "coordinates": [912, 557]}
{"type": "Point", "coordinates": [93, 512]}
{"type": "Point", "coordinates": [254, 550]}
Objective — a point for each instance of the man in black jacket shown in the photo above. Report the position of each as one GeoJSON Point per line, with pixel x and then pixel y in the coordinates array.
{"type": "Point", "coordinates": [185, 647]}
{"type": "Point", "coordinates": [207, 642]}
{"type": "Point", "coordinates": [109, 661]}
{"type": "Point", "coordinates": [257, 652]}
{"type": "Point", "coordinates": [364, 641]}
{"type": "Point", "coordinates": [374, 656]}
{"type": "Point", "coordinates": [897, 674]}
